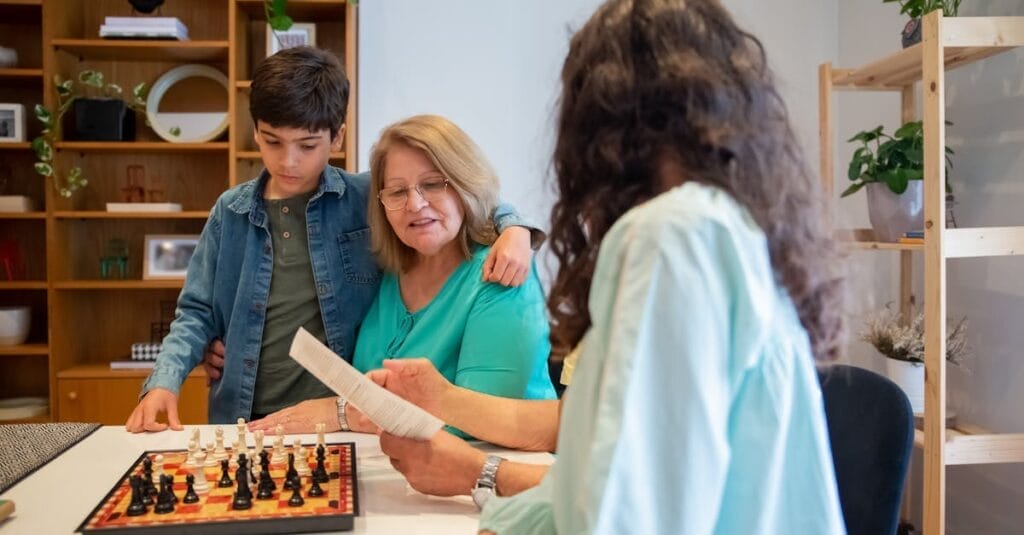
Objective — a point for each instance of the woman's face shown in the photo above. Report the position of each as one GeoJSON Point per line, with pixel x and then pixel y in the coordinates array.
{"type": "Point", "coordinates": [428, 225]}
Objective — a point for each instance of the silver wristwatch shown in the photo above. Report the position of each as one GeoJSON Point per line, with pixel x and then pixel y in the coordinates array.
{"type": "Point", "coordinates": [487, 484]}
{"type": "Point", "coordinates": [342, 417]}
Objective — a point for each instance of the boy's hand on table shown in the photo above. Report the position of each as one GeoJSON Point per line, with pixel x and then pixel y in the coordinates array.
{"type": "Point", "coordinates": [156, 401]}
{"type": "Point", "coordinates": [213, 361]}
{"type": "Point", "coordinates": [508, 262]}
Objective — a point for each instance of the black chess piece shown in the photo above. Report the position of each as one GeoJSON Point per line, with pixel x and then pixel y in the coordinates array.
{"type": "Point", "coordinates": [225, 477]}
{"type": "Point", "coordinates": [190, 491]}
{"type": "Point", "coordinates": [243, 494]}
{"type": "Point", "coordinates": [320, 473]}
{"type": "Point", "coordinates": [291, 474]}
{"type": "Point", "coordinates": [266, 488]}
{"type": "Point", "coordinates": [170, 488]}
{"type": "Point", "coordinates": [164, 499]}
{"type": "Point", "coordinates": [265, 464]}
{"type": "Point", "coordinates": [315, 490]}
{"type": "Point", "coordinates": [148, 487]}
{"type": "Point", "coordinates": [296, 499]}
{"type": "Point", "coordinates": [138, 505]}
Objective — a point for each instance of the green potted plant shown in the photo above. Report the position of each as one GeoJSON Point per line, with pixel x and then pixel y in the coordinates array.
{"type": "Point", "coordinates": [916, 9]}
{"type": "Point", "coordinates": [903, 348]}
{"type": "Point", "coordinates": [89, 84]}
{"type": "Point", "coordinates": [891, 167]}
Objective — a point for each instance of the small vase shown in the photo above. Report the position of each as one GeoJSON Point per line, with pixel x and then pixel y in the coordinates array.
{"type": "Point", "coordinates": [894, 215]}
{"type": "Point", "coordinates": [910, 378]}
{"type": "Point", "coordinates": [911, 34]}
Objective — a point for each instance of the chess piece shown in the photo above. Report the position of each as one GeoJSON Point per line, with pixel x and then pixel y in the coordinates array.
{"type": "Point", "coordinates": [148, 485]}
{"type": "Point", "coordinates": [266, 488]}
{"type": "Point", "coordinates": [164, 499]}
{"type": "Point", "coordinates": [138, 505]}
{"type": "Point", "coordinates": [211, 459]}
{"type": "Point", "coordinates": [301, 459]}
{"type": "Point", "coordinates": [190, 491]}
{"type": "Point", "coordinates": [219, 452]}
{"type": "Point", "coordinates": [291, 475]}
{"type": "Point", "coordinates": [320, 473]}
{"type": "Point", "coordinates": [170, 488]}
{"type": "Point", "coordinates": [278, 456]}
{"type": "Point", "coordinates": [240, 426]}
{"type": "Point", "coordinates": [193, 448]}
{"type": "Point", "coordinates": [243, 494]}
{"type": "Point", "coordinates": [321, 428]}
{"type": "Point", "coordinates": [225, 478]}
{"type": "Point", "coordinates": [258, 437]}
{"type": "Point", "coordinates": [195, 435]}
{"type": "Point", "coordinates": [296, 499]}
{"type": "Point", "coordinates": [235, 451]}
{"type": "Point", "coordinates": [315, 490]}
{"type": "Point", "coordinates": [201, 486]}
{"type": "Point", "coordinates": [158, 468]}
{"type": "Point", "coordinates": [265, 469]}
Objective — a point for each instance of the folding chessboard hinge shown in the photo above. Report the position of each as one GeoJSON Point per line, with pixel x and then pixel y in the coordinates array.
{"type": "Point", "coordinates": [964, 447]}
{"type": "Point", "coordinates": [983, 31]}
{"type": "Point", "coordinates": [983, 241]}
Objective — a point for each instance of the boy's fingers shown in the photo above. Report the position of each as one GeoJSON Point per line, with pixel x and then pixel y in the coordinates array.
{"type": "Point", "coordinates": [149, 422]}
{"type": "Point", "coordinates": [217, 347]}
{"type": "Point", "coordinates": [172, 417]}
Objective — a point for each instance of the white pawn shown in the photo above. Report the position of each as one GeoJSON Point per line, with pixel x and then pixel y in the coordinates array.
{"type": "Point", "coordinates": [219, 453]}
{"type": "Point", "coordinates": [240, 425]}
{"type": "Point", "coordinates": [236, 450]}
{"type": "Point", "coordinates": [258, 437]}
{"type": "Point", "coordinates": [209, 456]}
{"type": "Point", "coordinates": [158, 468]}
{"type": "Point", "coordinates": [200, 485]}
{"type": "Point", "coordinates": [301, 459]}
{"type": "Point", "coordinates": [193, 448]}
{"type": "Point", "coordinates": [278, 456]}
{"type": "Point", "coordinates": [320, 429]}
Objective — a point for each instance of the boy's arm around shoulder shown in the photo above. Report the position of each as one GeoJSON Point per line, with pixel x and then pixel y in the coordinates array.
{"type": "Point", "coordinates": [193, 326]}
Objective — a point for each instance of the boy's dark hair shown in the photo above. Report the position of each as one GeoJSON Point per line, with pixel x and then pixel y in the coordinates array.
{"type": "Point", "coordinates": [300, 87]}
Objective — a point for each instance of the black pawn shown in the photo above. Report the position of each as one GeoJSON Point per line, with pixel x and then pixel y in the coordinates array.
{"type": "Point", "coordinates": [243, 494]}
{"type": "Point", "coordinates": [165, 499]}
{"type": "Point", "coordinates": [291, 474]}
{"type": "Point", "coordinates": [190, 492]}
{"type": "Point", "coordinates": [225, 477]}
{"type": "Point", "coordinates": [320, 473]}
{"type": "Point", "coordinates": [296, 499]}
{"type": "Point", "coordinates": [266, 487]}
{"type": "Point", "coordinates": [138, 505]}
{"type": "Point", "coordinates": [315, 490]}
{"type": "Point", "coordinates": [170, 488]}
{"type": "Point", "coordinates": [265, 463]}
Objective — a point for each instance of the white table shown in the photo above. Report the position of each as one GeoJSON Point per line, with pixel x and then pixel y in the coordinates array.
{"type": "Point", "coordinates": [57, 497]}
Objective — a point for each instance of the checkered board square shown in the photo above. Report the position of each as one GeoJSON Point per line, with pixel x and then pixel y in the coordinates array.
{"type": "Point", "coordinates": [334, 511]}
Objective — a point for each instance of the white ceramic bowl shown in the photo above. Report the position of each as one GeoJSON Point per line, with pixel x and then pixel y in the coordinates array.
{"type": "Point", "coordinates": [14, 324]}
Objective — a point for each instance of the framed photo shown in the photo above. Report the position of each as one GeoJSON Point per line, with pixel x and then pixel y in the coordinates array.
{"type": "Point", "coordinates": [300, 34]}
{"type": "Point", "coordinates": [12, 123]}
{"type": "Point", "coordinates": [166, 256]}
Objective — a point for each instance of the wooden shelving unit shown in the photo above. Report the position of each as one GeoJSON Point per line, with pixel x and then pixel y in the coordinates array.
{"type": "Point", "coordinates": [947, 43]}
{"type": "Point", "coordinates": [81, 321]}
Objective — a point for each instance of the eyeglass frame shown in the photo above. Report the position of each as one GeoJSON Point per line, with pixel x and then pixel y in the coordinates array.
{"type": "Point", "coordinates": [408, 189]}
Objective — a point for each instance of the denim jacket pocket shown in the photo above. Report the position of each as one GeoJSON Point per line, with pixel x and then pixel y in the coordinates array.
{"type": "Point", "coordinates": [360, 266]}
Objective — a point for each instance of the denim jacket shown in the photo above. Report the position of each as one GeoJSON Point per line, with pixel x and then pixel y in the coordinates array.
{"type": "Point", "coordinates": [228, 283]}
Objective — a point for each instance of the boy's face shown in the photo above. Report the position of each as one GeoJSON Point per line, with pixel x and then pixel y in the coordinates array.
{"type": "Point", "coordinates": [294, 157]}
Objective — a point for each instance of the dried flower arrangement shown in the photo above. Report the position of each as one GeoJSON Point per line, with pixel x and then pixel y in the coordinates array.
{"type": "Point", "coordinates": [897, 341]}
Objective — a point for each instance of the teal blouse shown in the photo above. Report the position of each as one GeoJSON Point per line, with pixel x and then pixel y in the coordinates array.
{"type": "Point", "coordinates": [481, 336]}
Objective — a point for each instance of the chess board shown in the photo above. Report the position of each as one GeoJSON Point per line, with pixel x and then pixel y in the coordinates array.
{"type": "Point", "coordinates": [334, 511]}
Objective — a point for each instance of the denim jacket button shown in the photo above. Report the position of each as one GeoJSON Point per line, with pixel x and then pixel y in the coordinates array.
{"type": "Point", "coordinates": [249, 363]}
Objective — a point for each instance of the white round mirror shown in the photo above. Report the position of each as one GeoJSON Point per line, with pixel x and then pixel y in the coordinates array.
{"type": "Point", "coordinates": [189, 104]}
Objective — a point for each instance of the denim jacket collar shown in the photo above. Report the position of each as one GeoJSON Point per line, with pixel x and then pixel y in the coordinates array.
{"type": "Point", "coordinates": [250, 197]}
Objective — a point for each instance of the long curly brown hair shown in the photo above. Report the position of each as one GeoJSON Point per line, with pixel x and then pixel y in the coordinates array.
{"type": "Point", "coordinates": [653, 81]}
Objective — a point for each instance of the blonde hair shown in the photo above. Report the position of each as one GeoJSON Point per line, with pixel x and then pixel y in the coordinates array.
{"type": "Point", "coordinates": [460, 160]}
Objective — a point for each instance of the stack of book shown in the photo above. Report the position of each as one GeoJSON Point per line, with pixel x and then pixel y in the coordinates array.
{"type": "Point", "coordinates": [143, 28]}
{"type": "Point", "coordinates": [913, 237]}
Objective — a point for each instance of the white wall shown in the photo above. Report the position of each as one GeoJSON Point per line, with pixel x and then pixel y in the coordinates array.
{"type": "Point", "coordinates": [985, 100]}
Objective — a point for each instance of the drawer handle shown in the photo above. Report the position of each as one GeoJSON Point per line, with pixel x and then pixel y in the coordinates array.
{"type": "Point", "coordinates": [72, 395]}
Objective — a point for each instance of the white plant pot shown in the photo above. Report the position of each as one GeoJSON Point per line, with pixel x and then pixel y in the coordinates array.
{"type": "Point", "coordinates": [910, 378]}
{"type": "Point", "coordinates": [14, 324]}
{"type": "Point", "coordinates": [893, 215]}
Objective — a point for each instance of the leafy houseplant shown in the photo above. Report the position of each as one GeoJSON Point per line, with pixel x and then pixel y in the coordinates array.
{"type": "Point", "coordinates": [916, 9]}
{"type": "Point", "coordinates": [277, 13]}
{"type": "Point", "coordinates": [89, 83]}
{"type": "Point", "coordinates": [894, 160]}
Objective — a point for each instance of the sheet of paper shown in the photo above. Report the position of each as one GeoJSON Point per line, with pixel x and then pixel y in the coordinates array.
{"type": "Point", "coordinates": [392, 413]}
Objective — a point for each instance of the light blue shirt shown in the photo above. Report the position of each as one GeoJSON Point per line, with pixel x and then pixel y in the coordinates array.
{"type": "Point", "coordinates": [695, 406]}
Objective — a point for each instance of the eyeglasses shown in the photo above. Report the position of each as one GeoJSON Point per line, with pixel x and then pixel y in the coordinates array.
{"type": "Point", "coordinates": [395, 198]}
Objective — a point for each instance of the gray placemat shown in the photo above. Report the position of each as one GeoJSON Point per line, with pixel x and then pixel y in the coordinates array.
{"type": "Point", "coordinates": [25, 448]}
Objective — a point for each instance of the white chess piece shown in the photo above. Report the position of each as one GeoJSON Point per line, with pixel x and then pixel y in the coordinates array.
{"type": "Point", "coordinates": [258, 437]}
{"type": "Point", "coordinates": [158, 468]}
{"type": "Point", "coordinates": [209, 456]}
{"type": "Point", "coordinates": [200, 485]}
{"type": "Point", "coordinates": [219, 453]}
{"type": "Point", "coordinates": [320, 429]}
{"type": "Point", "coordinates": [279, 455]}
{"type": "Point", "coordinates": [301, 459]}
{"type": "Point", "coordinates": [193, 448]}
{"type": "Point", "coordinates": [240, 426]}
{"type": "Point", "coordinates": [236, 450]}
{"type": "Point", "coordinates": [195, 435]}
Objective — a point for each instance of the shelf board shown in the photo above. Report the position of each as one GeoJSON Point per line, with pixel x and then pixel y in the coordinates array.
{"type": "Point", "coordinates": [103, 371]}
{"type": "Point", "coordinates": [22, 215]}
{"type": "Point", "coordinates": [999, 34]}
{"type": "Point", "coordinates": [864, 238]}
{"type": "Point", "coordinates": [140, 146]}
{"type": "Point", "coordinates": [22, 285]}
{"type": "Point", "coordinates": [99, 214]}
{"type": "Point", "coordinates": [119, 284]}
{"type": "Point", "coordinates": [17, 145]}
{"type": "Point", "coordinates": [21, 74]}
{"type": "Point", "coordinates": [5, 3]}
{"type": "Point", "coordinates": [243, 84]}
{"type": "Point", "coordinates": [144, 50]}
{"type": "Point", "coordinates": [983, 241]}
{"type": "Point", "coordinates": [255, 155]}
{"type": "Point", "coordinates": [298, 10]}
{"type": "Point", "coordinates": [25, 349]}
{"type": "Point", "coordinates": [965, 446]}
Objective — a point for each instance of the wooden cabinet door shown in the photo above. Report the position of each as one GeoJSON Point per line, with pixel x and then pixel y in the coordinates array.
{"type": "Point", "coordinates": [110, 401]}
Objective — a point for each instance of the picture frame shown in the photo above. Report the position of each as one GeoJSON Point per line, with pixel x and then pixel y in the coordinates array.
{"type": "Point", "coordinates": [12, 123]}
{"type": "Point", "coordinates": [300, 34]}
{"type": "Point", "coordinates": [166, 256]}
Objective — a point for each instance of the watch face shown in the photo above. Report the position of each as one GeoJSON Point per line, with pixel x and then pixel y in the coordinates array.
{"type": "Point", "coordinates": [481, 495]}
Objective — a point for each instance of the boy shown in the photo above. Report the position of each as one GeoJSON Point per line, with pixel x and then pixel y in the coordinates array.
{"type": "Point", "coordinates": [272, 247]}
